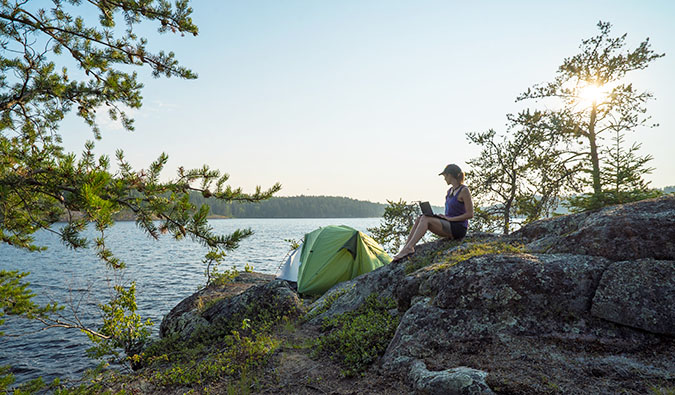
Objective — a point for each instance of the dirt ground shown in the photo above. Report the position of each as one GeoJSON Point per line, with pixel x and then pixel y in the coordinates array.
{"type": "Point", "coordinates": [292, 370]}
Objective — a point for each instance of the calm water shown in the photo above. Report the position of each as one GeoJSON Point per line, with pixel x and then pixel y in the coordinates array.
{"type": "Point", "coordinates": [165, 271]}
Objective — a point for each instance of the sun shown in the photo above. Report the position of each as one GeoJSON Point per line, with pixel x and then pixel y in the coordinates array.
{"type": "Point", "coordinates": [592, 94]}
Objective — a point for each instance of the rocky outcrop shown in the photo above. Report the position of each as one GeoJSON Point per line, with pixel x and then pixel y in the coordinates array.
{"type": "Point", "coordinates": [586, 307]}
{"type": "Point", "coordinates": [248, 294]}
{"type": "Point", "coordinates": [639, 294]}
{"type": "Point", "coordinates": [590, 288]}
{"type": "Point", "coordinates": [273, 299]}
{"type": "Point", "coordinates": [644, 229]}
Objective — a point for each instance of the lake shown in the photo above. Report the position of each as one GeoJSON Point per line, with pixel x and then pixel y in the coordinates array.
{"type": "Point", "coordinates": [166, 271]}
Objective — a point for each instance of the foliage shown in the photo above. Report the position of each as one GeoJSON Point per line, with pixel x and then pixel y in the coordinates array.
{"type": "Point", "coordinates": [40, 183]}
{"type": "Point", "coordinates": [294, 207]}
{"type": "Point", "coordinates": [517, 175]}
{"type": "Point", "coordinates": [327, 302]}
{"type": "Point", "coordinates": [293, 244]}
{"type": "Point", "coordinates": [419, 261]}
{"type": "Point", "coordinates": [662, 390]}
{"type": "Point", "coordinates": [589, 99]}
{"type": "Point", "coordinates": [399, 218]}
{"type": "Point", "coordinates": [357, 338]}
{"type": "Point", "coordinates": [230, 347]}
{"type": "Point", "coordinates": [240, 354]}
{"type": "Point", "coordinates": [622, 176]}
{"type": "Point", "coordinates": [460, 251]}
{"type": "Point", "coordinates": [122, 327]}
{"type": "Point", "coordinates": [16, 298]}
{"type": "Point", "coordinates": [30, 387]}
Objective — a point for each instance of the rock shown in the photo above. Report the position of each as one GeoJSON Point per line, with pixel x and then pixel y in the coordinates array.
{"type": "Point", "coordinates": [272, 300]}
{"type": "Point", "coordinates": [644, 229]}
{"type": "Point", "coordinates": [456, 381]}
{"type": "Point", "coordinates": [639, 294]}
{"type": "Point", "coordinates": [519, 289]}
{"type": "Point", "coordinates": [589, 308]}
{"type": "Point", "coordinates": [186, 317]}
{"type": "Point", "coordinates": [389, 281]}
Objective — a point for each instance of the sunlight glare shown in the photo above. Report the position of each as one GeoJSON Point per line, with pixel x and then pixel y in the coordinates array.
{"type": "Point", "coordinates": [592, 94]}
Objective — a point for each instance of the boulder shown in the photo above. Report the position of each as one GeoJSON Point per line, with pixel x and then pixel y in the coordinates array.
{"type": "Point", "coordinates": [496, 295]}
{"type": "Point", "coordinates": [639, 294]}
{"type": "Point", "coordinates": [644, 229]}
{"type": "Point", "coordinates": [272, 300]}
{"type": "Point", "coordinates": [456, 381]}
{"type": "Point", "coordinates": [186, 316]}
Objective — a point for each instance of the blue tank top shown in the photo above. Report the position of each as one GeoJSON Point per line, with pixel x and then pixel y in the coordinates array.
{"type": "Point", "coordinates": [454, 207]}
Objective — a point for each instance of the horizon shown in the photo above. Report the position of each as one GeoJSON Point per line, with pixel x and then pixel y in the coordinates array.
{"type": "Point", "coordinates": [348, 99]}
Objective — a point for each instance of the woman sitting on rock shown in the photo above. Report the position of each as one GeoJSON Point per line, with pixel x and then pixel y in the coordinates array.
{"type": "Point", "coordinates": [458, 211]}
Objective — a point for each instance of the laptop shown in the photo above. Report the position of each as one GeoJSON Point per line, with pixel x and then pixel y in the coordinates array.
{"type": "Point", "coordinates": [426, 210]}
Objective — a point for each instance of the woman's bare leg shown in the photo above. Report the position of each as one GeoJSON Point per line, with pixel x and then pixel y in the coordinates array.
{"type": "Point", "coordinates": [413, 229]}
{"type": "Point", "coordinates": [406, 250]}
{"type": "Point", "coordinates": [422, 225]}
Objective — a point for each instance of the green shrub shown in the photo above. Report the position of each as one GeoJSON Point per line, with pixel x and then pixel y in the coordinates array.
{"type": "Point", "coordinates": [356, 338]}
{"type": "Point", "coordinates": [239, 356]}
{"type": "Point", "coordinates": [226, 348]}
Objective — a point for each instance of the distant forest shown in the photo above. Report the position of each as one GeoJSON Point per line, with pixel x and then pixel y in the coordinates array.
{"type": "Point", "coordinates": [294, 207]}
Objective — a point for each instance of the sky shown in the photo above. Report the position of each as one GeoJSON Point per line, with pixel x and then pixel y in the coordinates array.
{"type": "Point", "coordinates": [370, 99]}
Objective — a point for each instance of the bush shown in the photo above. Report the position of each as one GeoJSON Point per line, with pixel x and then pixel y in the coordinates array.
{"type": "Point", "coordinates": [356, 338]}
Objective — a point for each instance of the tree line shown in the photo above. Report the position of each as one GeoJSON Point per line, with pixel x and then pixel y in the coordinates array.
{"type": "Point", "coordinates": [293, 207]}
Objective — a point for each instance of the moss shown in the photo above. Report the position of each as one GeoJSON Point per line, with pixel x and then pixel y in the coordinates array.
{"type": "Point", "coordinates": [478, 249]}
{"type": "Point", "coordinates": [356, 338]}
{"type": "Point", "coordinates": [663, 390]}
{"type": "Point", "coordinates": [419, 261]}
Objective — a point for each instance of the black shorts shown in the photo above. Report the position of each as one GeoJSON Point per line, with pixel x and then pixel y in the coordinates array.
{"type": "Point", "coordinates": [456, 229]}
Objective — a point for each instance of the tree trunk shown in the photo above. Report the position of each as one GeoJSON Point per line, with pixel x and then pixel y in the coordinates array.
{"type": "Point", "coordinates": [595, 160]}
{"type": "Point", "coordinates": [507, 218]}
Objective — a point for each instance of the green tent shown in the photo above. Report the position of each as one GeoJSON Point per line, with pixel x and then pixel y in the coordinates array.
{"type": "Point", "coordinates": [333, 254]}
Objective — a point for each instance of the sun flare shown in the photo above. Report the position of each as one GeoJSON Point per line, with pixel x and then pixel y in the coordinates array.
{"type": "Point", "coordinates": [592, 94]}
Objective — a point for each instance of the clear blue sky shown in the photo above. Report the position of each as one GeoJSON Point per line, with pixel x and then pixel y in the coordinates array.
{"type": "Point", "coordinates": [370, 99]}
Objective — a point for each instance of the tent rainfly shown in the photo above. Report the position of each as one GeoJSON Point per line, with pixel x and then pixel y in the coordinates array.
{"type": "Point", "coordinates": [331, 255]}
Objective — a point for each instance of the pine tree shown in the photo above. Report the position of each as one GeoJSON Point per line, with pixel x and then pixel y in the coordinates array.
{"type": "Point", "coordinates": [589, 99]}
{"type": "Point", "coordinates": [40, 183]}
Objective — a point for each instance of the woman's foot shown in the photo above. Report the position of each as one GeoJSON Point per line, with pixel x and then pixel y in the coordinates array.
{"type": "Point", "coordinates": [403, 253]}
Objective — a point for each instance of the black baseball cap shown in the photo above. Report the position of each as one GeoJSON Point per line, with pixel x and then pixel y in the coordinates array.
{"type": "Point", "coordinates": [451, 169]}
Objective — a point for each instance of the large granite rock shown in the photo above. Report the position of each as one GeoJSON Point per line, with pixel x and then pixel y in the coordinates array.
{"type": "Point", "coordinates": [588, 308]}
{"type": "Point", "coordinates": [271, 300]}
{"type": "Point", "coordinates": [592, 288]}
{"type": "Point", "coordinates": [248, 293]}
{"type": "Point", "coordinates": [639, 294]}
{"type": "Point", "coordinates": [644, 229]}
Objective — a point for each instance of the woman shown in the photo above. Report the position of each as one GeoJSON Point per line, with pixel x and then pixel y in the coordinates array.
{"type": "Point", "coordinates": [458, 211]}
